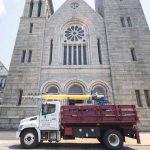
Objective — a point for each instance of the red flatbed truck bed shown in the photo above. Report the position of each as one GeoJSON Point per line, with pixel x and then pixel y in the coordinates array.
{"type": "Point", "coordinates": [95, 121]}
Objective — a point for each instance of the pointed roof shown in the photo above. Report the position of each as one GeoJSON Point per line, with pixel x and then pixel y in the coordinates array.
{"type": "Point", "coordinates": [51, 6]}
{"type": "Point", "coordinates": [3, 70]}
{"type": "Point", "coordinates": [84, 6]}
{"type": "Point", "coordinates": [76, 1]}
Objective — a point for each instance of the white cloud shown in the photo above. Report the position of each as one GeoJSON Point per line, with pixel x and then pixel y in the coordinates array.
{"type": "Point", "coordinates": [2, 7]}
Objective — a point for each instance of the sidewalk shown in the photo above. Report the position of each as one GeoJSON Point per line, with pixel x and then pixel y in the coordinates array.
{"type": "Point", "coordinates": [145, 139]}
{"type": "Point", "coordinates": [7, 135]}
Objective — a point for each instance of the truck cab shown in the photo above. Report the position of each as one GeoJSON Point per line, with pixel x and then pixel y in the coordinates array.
{"type": "Point", "coordinates": [45, 126]}
{"type": "Point", "coordinates": [50, 116]}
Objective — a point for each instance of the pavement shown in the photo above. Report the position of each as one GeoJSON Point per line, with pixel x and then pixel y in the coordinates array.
{"type": "Point", "coordinates": [8, 142]}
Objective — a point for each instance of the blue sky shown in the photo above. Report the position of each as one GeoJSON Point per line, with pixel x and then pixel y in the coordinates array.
{"type": "Point", "coordinates": [10, 13]}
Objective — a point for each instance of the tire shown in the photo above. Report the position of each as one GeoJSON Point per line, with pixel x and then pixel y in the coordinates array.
{"type": "Point", "coordinates": [29, 139]}
{"type": "Point", "coordinates": [113, 140]}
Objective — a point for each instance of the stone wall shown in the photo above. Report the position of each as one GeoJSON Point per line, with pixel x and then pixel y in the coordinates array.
{"type": "Point", "coordinates": [143, 114]}
{"type": "Point", "coordinates": [11, 115]}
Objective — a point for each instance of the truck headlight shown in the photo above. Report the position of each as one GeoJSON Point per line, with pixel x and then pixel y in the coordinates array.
{"type": "Point", "coordinates": [20, 127]}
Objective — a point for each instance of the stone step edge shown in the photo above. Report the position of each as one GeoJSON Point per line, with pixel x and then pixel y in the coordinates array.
{"type": "Point", "coordinates": [11, 117]}
{"type": "Point", "coordinates": [14, 106]}
{"type": "Point", "coordinates": [146, 119]}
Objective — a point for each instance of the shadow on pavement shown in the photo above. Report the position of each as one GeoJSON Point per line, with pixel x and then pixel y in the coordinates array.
{"type": "Point", "coordinates": [68, 146]}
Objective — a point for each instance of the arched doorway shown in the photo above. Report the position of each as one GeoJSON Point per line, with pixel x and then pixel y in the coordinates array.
{"type": "Point", "coordinates": [75, 90]}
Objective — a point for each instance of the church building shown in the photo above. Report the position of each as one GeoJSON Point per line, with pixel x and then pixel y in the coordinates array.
{"type": "Point", "coordinates": [78, 50]}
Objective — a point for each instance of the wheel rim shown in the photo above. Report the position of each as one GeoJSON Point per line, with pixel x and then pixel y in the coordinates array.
{"type": "Point", "coordinates": [29, 139]}
{"type": "Point", "coordinates": [113, 140]}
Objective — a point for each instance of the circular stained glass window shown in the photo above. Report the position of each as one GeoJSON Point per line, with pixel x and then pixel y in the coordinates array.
{"type": "Point", "coordinates": [74, 33]}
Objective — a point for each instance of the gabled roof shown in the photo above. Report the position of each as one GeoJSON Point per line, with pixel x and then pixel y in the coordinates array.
{"type": "Point", "coordinates": [3, 70]}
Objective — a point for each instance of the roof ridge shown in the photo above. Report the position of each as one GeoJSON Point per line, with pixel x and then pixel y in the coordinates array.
{"type": "Point", "coordinates": [1, 64]}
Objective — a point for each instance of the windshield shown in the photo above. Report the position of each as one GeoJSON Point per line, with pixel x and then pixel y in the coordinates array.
{"type": "Point", "coordinates": [48, 109]}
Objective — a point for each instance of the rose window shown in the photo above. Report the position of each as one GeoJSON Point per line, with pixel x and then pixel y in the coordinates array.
{"type": "Point", "coordinates": [74, 33]}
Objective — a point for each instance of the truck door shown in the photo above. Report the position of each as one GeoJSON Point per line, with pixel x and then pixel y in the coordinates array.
{"type": "Point", "coordinates": [50, 116]}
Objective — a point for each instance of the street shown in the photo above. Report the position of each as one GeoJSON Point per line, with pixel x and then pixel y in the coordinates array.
{"type": "Point", "coordinates": [8, 141]}
{"type": "Point", "coordinates": [13, 144]}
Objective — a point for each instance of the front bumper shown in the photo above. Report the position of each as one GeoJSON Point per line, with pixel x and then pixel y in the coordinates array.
{"type": "Point", "coordinates": [18, 134]}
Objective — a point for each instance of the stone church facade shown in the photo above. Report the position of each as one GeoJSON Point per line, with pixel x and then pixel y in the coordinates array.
{"type": "Point", "coordinates": [78, 50]}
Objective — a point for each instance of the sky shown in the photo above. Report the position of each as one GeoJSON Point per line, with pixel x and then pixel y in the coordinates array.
{"type": "Point", "coordinates": [10, 13]}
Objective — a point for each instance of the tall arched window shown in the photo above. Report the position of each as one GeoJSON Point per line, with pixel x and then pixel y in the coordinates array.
{"type": "Point", "coordinates": [31, 8]}
{"type": "Point", "coordinates": [75, 44]}
{"type": "Point", "coordinates": [39, 8]}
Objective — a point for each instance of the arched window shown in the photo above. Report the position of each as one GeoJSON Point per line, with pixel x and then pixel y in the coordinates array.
{"type": "Point", "coordinates": [2, 83]}
{"type": "Point", "coordinates": [39, 8]}
{"type": "Point", "coordinates": [99, 90]}
{"type": "Point", "coordinates": [31, 8]}
{"type": "Point", "coordinates": [5, 83]}
{"type": "Point", "coordinates": [75, 44]}
{"type": "Point", "coordinates": [52, 90]}
{"type": "Point", "coordinates": [75, 90]}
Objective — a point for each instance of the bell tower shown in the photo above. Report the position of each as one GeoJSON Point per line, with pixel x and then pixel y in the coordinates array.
{"type": "Point", "coordinates": [126, 30]}
{"type": "Point", "coordinates": [27, 51]}
{"type": "Point", "coordinates": [38, 8]}
{"type": "Point", "coordinates": [128, 44]}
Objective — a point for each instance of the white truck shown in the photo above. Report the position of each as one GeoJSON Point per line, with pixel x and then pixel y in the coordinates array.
{"type": "Point", "coordinates": [107, 123]}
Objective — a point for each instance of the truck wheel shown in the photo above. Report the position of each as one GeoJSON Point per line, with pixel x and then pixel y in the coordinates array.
{"type": "Point", "coordinates": [113, 140]}
{"type": "Point", "coordinates": [29, 139]}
